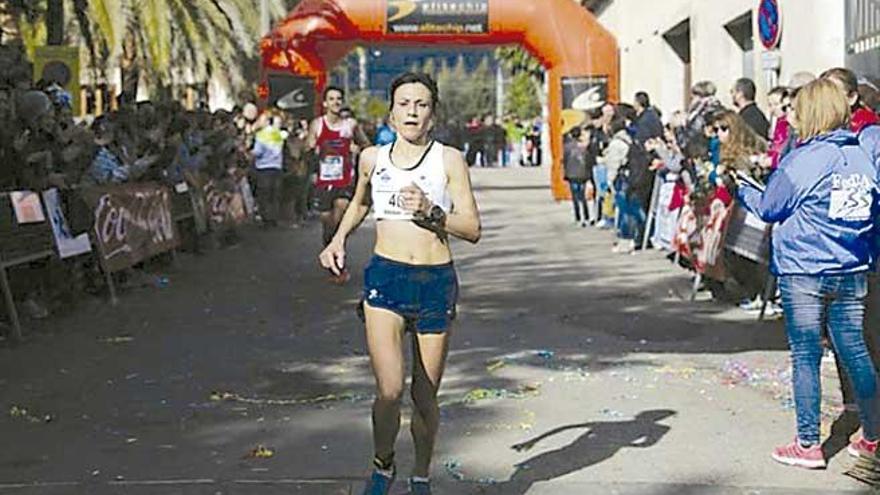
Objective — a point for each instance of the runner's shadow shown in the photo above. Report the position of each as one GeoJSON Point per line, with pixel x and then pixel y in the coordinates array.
{"type": "Point", "coordinates": [601, 441]}
{"type": "Point", "coordinates": [845, 425]}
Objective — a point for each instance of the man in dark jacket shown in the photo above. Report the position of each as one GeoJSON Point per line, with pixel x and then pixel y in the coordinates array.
{"type": "Point", "coordinates": [647, 124]}
{"type": "Point", "coordinates": [494, 141]}
{"type": "Point", "coordinates": [577, 172]}
{"type": "Point", "coordinates": [743, 94]}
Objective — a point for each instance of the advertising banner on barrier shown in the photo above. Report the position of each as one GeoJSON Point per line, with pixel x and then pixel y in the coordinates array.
{"type": "Point", "coordinates": [666, 219]}
{"type": "Point", "coordinates": [438, 16]}
{"type": "Point", "coordinates": [27, 206]}
{"type": "Point", "coordinates": [224, 202]}
{"type": "Point", "coordinates": [709, 257]}
{"type": "Point", "coordinates": [748, 236]}
{"type": "Point", "coordinates": [133, 222]}
{"type": "Point", "coordinates": [67, 244]}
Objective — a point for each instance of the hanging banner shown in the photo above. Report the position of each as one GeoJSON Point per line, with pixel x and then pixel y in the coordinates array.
{"type": "Point", "coordinates": [580, 96]}
{"type": "Point", "coordinates": [438, 16]}
{"type": "Point", "coordinates": [67, 244]}
{"type": "Point", "coordinates": [60, 65]}
{"type": "Point", "coordinates": [293, 94]}
{"type": "Point", "coordinates": [133, 222]}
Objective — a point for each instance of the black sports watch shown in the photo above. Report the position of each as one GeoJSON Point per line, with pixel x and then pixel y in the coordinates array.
{"type": "Point", "coordinates": [434, 220]}
{"type": "Point", "coordinates": [437, 215]}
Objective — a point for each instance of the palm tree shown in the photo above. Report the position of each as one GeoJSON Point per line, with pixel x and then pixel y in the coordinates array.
{"type": "Point", "coordinates": [170, 41]}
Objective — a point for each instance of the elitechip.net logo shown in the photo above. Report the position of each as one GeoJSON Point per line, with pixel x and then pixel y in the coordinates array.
{"type": "Point", "coordinates": [404, 9]}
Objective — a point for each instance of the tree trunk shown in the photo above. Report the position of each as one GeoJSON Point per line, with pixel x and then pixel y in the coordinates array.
{"type": "Point", "coordinates": [129, 69]}
{"type": "Point", "coordinates": [55, 22]}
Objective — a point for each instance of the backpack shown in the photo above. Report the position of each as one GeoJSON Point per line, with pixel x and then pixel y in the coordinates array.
{"type": "Point", "coordinates": [639, 175]}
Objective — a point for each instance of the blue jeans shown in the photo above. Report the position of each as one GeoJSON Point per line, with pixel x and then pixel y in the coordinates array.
{"type": "Point", "coordinates": [837, 301]}
{"type": "Point", "coordinates": [630, 217]}
{"type": "Point", "coordinates": [578, 200]}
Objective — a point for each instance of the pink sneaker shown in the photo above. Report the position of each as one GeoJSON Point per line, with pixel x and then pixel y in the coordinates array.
{"type": "Point", "coordinates": [795, 455]}
{"type": "Point", "coordinates": [862, 448]}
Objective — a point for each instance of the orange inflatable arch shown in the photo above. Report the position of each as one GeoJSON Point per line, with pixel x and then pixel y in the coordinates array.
{"type": "Point", "coordinates": [578, 53]}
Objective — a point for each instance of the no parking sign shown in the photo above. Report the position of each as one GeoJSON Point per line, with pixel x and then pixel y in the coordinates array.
{"type": "Point", "coordinates": [769, 23]}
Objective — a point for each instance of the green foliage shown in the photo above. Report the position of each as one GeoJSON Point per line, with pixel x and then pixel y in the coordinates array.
{"type": "Point", "coordinates": [522, 97]}
{"type": "Point", "coordinates": [518, 61]}
{"type": "Point", "coordinates": [465, 95]}
{"type": "Point", "coordinates": [169, 40]}
{"type": "Point", "coordinates": [367, 106]}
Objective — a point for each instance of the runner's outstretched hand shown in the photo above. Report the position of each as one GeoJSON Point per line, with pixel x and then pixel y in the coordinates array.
{"type": "Point", "coordinates": [333, 257]}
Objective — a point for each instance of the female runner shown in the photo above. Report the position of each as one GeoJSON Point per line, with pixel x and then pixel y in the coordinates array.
{"type": "Point", "coordinates": [421, 195]}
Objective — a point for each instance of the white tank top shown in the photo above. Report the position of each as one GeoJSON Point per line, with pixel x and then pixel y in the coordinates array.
{"type": "Point", "coordinates": [387, 181]}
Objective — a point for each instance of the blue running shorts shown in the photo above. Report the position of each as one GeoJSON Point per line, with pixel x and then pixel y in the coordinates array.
{"type": "Point", "coordinates": [424, 295]}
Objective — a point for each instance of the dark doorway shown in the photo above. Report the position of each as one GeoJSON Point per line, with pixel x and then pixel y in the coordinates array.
{"type": "Point", "coordinates": [679, 39]}
{"type": "Point", "coordinates": [740, 29]}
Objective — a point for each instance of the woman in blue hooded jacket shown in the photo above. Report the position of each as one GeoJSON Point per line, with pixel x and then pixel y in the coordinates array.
{"type": "Point", "coordinates": [822, 200]}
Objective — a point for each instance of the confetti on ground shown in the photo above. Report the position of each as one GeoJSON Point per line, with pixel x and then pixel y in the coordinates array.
{"type": "Point", "coordinates": [537, 357]}
{"type": "Point", "coordinates": [684, 372]}
{"type": "Point", "coordinates": [495, 365]}
{"type": "Point", "coordinates": [775, 381]}
{"type": "Point", "coordinates": [260, 452]}
{"type": "Point", "coordinates": [31, 417]}
{"type": "Point", "coordinates": [343, 397]}
{"type": "Point", "coordinates": [611, 413]}
{"type": "Point", "coordinates": [482, 394]}
{"type": "Point", "coordinates": [453, 468]}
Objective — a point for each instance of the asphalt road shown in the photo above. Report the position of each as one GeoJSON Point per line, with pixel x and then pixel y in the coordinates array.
{"type": "Point", "coordinates": [597, 361]}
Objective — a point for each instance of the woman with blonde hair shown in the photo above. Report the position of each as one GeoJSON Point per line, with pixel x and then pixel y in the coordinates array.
{"type": "Point", "coordinates": [822, 200]}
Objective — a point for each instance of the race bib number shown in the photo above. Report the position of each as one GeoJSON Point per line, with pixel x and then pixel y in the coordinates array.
{"type": "Point", "coordinates": [332, 168]}
{"type": "Point", "coordinates": [851, 198]}
{"type": "Point", "coordinates": [389, 204]}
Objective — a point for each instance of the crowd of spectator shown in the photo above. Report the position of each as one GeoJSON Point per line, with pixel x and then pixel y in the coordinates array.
{"type": "Point", "coordinates": [809, 175]}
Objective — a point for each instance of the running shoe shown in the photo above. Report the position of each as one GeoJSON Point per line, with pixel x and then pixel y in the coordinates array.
{"type": "Point", "coordinates": [774, 311]}
{"type": "Point", "coordinates": [379, 483]}
{"type": "Point", "coordinates": [862, 448]}
{"type": "Point", "coordinates": [751, 304]}
{"type": "Point", "coordinates": [794, 454]}
{"type": "Point", "coordinates": [419, 486]}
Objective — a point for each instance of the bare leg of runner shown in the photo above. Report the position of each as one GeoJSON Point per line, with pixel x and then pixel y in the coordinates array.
{"type": "Point", "coordinates": [385, 345]}
{"type": "Point", "coordinates": [429, 361]}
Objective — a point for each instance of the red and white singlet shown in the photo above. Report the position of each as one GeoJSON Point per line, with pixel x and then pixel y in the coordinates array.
{"type": "Point", "coordinates": [335, 164]}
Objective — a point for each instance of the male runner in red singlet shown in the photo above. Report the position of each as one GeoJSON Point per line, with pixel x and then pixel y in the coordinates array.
{"type": "Point", "coordinates": [336, 141]}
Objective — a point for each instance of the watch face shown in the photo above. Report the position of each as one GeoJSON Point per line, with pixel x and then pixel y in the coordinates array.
{"type": "Point", "coordinates": [437, 213]}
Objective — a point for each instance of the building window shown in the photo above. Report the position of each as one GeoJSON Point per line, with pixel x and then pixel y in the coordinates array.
{"type": "Point", "coordinates": [740, 29]}
{"type": "Point", "coordinates": [679, 40]}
